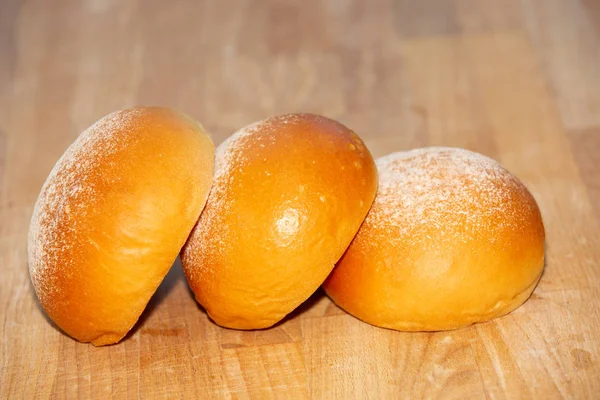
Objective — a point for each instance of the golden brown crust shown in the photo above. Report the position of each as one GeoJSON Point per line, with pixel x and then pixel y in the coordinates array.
{"type": "Point", "coordinates": [289, 194]}
{"type": "Point", "coordinates": [452, 239]}
{"type": "Point", "coordinates": [112, 217]}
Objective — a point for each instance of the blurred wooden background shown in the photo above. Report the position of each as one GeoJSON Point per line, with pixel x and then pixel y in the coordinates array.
{"type": "Point", "coordinates": [518, 80]}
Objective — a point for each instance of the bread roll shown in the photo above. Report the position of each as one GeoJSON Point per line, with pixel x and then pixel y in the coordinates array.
{"type": "Point", "coordinates": [112, 217]}
{"type": "Point", "coordinates": [289, 194]}
{"type": "Point", "coordinates": [452, 239]}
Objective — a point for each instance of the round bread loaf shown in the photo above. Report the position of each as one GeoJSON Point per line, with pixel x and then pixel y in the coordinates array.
{"type": "Point", "coordinates": [289, 194]}
{"type": "Point", "coordinates": [112, 217]}
{"type": "Point", "coordinates": [452, 239]}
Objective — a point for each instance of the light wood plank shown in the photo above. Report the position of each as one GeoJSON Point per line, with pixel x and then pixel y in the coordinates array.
{"type": "Point", "coordinates": [568, 42]}
{"type": "Point", "coordinates": [516, 80]}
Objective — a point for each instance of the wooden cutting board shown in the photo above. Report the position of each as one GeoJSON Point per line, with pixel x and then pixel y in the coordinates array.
{"type": "Point", "coordinates": [516, 80]}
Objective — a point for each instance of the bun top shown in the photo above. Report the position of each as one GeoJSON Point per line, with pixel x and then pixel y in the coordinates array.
{"type": "Point", "coordinates": [113, 214]}
{"type": "Point", "coordinates": [452, 238]}
{"type": "Point", "coordinates": [289, 194]}
{"type": "Point", "coordinates": [447, 190]}
{"type": "Point", "coordinates": [300, 162]}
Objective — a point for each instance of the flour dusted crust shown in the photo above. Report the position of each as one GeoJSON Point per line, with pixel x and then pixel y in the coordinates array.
{"type": "Point", "coordinates": [289, 194]}
{"type": "Point", "coordinates": [112, 217]}
{"type": "Point", "coordinates": [452, 239]}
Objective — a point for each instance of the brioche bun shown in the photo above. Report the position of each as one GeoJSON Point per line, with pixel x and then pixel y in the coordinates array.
{"type": "Point", "coordinates": [289, 194]}
{"type": "Point", "coordinates": [452, 239]}
{"type": "Point", "coordinates": [112, 217]}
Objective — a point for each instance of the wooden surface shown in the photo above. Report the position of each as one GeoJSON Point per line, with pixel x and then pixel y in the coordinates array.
{"type": "Point", "coordinates": [516, 80]}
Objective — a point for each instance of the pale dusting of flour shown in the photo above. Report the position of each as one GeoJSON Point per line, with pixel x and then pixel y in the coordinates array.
{"type": "Point", "coordinates": [66, 196]}
{"type": "Point", "coordinates": [229, 154]}
{"type": "Point", "coordinates": [231, 157]}
{"type": "Point", "coordinates": [442, 187]}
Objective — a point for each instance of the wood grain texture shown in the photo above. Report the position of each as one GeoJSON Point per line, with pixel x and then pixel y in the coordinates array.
{"type": "Point", "coordinates": [518, 80]}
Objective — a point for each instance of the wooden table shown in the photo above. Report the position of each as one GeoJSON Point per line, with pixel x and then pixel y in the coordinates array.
{"type": "Point", "coordinates": [516, 80]}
